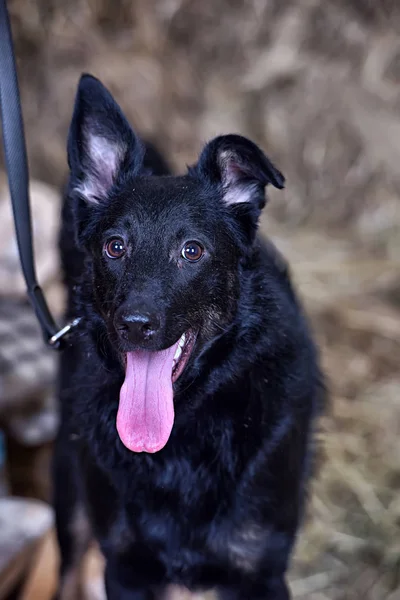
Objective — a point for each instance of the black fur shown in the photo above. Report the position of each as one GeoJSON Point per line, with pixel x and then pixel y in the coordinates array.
{"type": "Point", "coordinates": [220, 504]}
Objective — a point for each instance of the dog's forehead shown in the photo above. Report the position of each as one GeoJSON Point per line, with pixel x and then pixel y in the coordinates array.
{"type": "Point", "coordinates": [163, 203]}
{"type": "Point", "coordinates": [175, 190]}
{"type": "Point", "coordinates": [162, 200]}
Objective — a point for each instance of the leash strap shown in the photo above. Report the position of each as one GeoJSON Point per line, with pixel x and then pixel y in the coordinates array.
{"type": "Point", "coordinates": [18, 180]}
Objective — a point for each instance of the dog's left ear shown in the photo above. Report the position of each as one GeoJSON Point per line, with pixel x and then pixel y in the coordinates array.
{"type": "Point", "coordinates": [240, 169]}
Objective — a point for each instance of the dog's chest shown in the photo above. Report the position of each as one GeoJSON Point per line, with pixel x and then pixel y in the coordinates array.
{"type": "Point", "coordinates": [171, 504]}
{"type": "Point", "coordinates": [183, 517]}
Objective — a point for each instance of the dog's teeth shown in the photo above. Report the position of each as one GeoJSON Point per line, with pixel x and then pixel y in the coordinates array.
{"type": "Point", "coordinates": [179, 348]}
{"type": "Point", "coordinates": [178, 353]}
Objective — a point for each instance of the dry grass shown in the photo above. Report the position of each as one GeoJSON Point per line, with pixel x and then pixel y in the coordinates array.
{"type": "Point", "coordinates": [316, 83]}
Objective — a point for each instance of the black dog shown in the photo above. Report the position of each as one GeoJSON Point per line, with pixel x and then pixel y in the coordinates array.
{"type": "Point", "coordinates": [189, 394]}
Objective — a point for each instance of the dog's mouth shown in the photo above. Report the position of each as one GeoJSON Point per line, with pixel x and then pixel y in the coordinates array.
{"type": "Point", "coordinates": [146, 409]}
{"type": "Point", "coordinates": [182, 353]}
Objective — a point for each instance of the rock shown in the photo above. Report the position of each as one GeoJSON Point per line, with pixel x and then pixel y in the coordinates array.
{"type": "Point", "coordinates": [23, 523]}
{"type": "Point", "coordinates": [27, 374]}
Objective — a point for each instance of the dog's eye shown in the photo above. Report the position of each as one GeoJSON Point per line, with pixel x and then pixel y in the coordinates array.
{"type": "Point", "coordinates": [114, 248]}
{"type": "Point", "coordinates": [192, 251]}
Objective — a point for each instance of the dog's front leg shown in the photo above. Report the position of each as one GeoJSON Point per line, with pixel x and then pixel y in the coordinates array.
{"type": "Point", "coordinates": [73, 529]}
{"type": "Point", "coordinates": [273, 588]}
{"type": "Point", "coordinates": [116, 590]}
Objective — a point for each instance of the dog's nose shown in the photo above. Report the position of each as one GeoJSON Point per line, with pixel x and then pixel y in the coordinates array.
{"type": "Point", "coordinates": [138, 327]}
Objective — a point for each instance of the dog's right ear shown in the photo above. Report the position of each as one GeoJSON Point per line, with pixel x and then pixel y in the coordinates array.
{"type": "Point", "coordinates": [101, 143]}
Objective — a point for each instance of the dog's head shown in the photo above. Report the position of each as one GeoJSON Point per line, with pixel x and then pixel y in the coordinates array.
{"type": "Point", "coordinates": [166, 252]}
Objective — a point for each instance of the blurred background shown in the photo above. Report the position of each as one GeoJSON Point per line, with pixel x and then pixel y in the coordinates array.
{"type": "Point", "coordinates": [316, 84]}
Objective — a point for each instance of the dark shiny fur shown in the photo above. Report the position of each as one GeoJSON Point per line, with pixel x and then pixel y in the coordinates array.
{"type": "Point", "coordinates": [220, 504]}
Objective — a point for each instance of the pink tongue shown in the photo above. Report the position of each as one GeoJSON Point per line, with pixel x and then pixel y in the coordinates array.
{"type": "Point", "coordinates": [146, 410]}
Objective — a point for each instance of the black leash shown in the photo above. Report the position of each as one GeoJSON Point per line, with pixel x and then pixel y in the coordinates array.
{"type": "Point", "coordinates": [18, 180]}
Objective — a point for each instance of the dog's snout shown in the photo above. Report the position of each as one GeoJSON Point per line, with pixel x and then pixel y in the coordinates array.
{"type": "Point", "coordinates": [138, 326]}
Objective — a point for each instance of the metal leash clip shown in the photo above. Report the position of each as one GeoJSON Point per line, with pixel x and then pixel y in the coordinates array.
{"type": "Point", "coordinates": [57, 337]}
